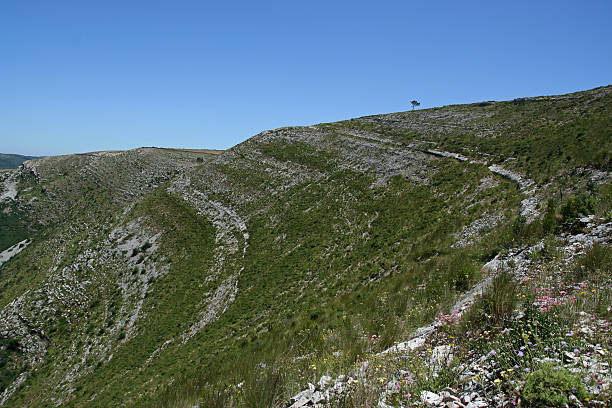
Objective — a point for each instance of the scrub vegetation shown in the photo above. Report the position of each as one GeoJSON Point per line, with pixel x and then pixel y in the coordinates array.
{"type": "Point", "coordinates": [161, 277]}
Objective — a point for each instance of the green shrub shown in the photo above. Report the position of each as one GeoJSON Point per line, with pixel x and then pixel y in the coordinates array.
{"type": "Point", "coordinates": [550, 387]}
{"type": "Point", "coordinates": [580, 204]}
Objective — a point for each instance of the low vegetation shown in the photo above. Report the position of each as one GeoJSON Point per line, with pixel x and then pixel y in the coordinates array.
{"type": "Point", "coordinates": [161, 277]}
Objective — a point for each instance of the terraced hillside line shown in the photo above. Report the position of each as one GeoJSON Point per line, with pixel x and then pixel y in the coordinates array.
{"type": "Point", "coordinates": [232, 241]}
{"type": "Point", "coordinates": [528, 207]}
{"type": "Point", "coordinates": [80, 255]}
{"type": "Point", "coordinates": [364, 152]}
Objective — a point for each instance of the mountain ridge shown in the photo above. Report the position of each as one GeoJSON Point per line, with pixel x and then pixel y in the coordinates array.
{"type": "Point", "coordinates": [156, 276]}
{"type": "Point", "coordinates": [12, 161]}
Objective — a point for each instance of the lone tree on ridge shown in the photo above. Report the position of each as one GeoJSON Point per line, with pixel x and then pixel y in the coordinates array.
{"type": "Point", "coordinates": [415, 103]}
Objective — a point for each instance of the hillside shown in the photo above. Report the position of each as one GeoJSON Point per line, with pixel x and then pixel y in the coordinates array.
{"type": "Point", "coordinates": [163, 277]}
{"type": "Point", "coordinates": [12, 161]}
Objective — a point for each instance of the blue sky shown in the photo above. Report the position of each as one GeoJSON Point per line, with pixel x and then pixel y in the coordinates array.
{"type": "Point", "coordinates": [80, 76]}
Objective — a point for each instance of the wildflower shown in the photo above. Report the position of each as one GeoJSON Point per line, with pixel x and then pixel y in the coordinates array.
{"type": "Point", "coordinates": [526, 369]}
{"type": "Point", "coordinates": [491, 353]}
{"type": "Point", "coordinates": [497, 381]}
{"type": "Point", "coordinates": [546, 348]}
{"type": "Point", "coordinates": [520, 354]}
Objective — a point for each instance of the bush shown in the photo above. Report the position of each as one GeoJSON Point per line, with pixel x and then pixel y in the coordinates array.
{"type": "Point", "coordinates": [580, 204]}
{"type": "Point", "coordinates": [548, 387]}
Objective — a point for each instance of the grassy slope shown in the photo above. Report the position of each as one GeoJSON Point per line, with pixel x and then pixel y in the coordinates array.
{"type": "Point", "coordinates": [548, 139]}
{"type": "Point", "coordinates": [329, 263]}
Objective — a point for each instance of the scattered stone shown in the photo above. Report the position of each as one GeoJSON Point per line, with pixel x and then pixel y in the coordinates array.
{"type": "Point", "coordinates": [324, 381]}
{"type": "Point", "coordinates": [431, 399]}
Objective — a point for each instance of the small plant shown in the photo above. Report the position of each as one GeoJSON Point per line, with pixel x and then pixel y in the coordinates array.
{"type": "Point", "coordinates": [551, 387]}
{"type": "Point", "coordinates": [597, 258]}
{"type": "Point", "coordinates": [496, 304]}
{"type": "Point", "coordinates": [580, 204]}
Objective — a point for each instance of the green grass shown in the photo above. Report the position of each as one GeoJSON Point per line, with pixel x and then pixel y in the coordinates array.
{"type": "Point", "coordinates": [331, 260]}
{"type": "Point", "coordinates": [360, 287]}
{"type": "Point", "coordinates": [12, 230]}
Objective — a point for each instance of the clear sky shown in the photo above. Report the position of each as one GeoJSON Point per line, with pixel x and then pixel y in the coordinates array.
{"type": "Point", "coordinates": [89, 75]}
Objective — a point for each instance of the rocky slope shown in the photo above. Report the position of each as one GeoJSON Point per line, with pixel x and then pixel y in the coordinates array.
{"type": "Point", "coordinates": [176, 278]}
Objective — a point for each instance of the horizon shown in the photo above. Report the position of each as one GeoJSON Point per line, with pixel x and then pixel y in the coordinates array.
{"type": "Point", "coordinates": [91, 77]}
{"type": "Point", "coordinates": [204, 148]}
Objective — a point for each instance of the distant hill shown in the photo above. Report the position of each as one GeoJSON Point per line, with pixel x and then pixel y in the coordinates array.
{"type": "Point", "coordinates": [12, 161]}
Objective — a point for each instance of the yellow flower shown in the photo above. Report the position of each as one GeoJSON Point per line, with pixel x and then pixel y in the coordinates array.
{"type": "Point", "coordinates": [593, 291]}
{"type": "Point", "coordinates": [497, 381]}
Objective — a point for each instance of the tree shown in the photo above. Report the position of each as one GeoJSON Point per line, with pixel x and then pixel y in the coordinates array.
{"type": "Point", "coordinates": [415, 103]}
